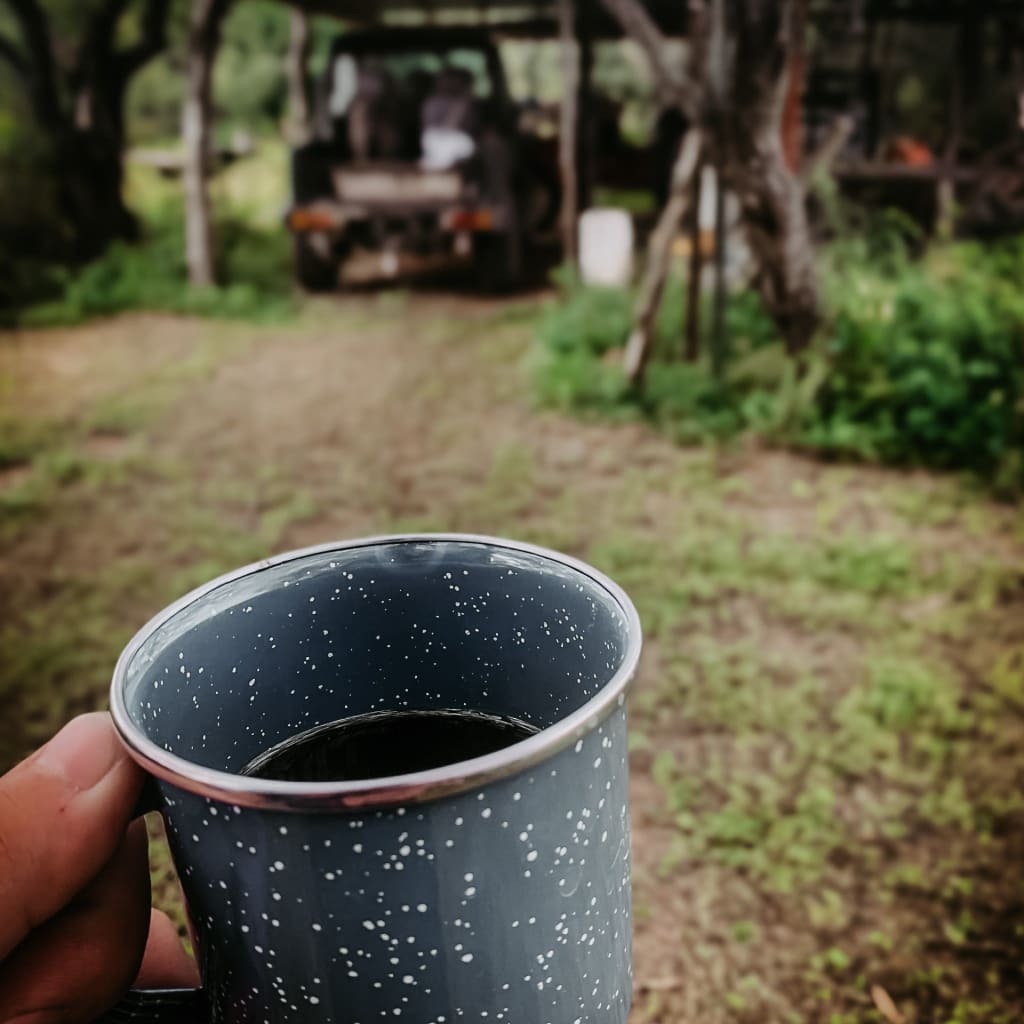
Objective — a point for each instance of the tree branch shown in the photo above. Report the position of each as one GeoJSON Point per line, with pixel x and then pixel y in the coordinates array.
{"type": "Point", "coordinates": [638, 348]}
{"type": "Point", "coordinates": [95, 48]}
{"type": "Point", "coordinates": [822, 159]}
{"type": "Point", "coordinates": [204, 30]}
{"type": "Point", "coordinates": [9, 52]}
{"type": "Point", "coordinates": [104, 22]}
{"type": "Point", "coordinates": [153, 41]}
{"type": "Point", "coordinates": [639, 26]}
{"type": "Point", "coordinates": [39, 63]}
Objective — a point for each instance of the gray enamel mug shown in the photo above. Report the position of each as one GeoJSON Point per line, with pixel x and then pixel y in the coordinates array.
{"type": "Point", "coordinates": [495, 890]}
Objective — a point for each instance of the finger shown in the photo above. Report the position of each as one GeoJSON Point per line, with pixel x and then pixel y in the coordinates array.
{"type": "Point", "coordinates": [166, 964]}
{"type": "Point", "coordinates": [63, 814]}
{"type": "Point", "coordinates": [77, 965]}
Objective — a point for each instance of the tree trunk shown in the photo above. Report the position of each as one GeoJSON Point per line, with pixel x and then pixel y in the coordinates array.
{"type": "Point", "coordinates": [81, 112]}
{"type": "Point", "coordinates": [300, 112]}
{"type": "Point", "coordinates": [774, 208]}
{"type": "Point", "coordinates": [736, 91]}
{"type": "Point", "coordinates": [749, 57]}
{"type": "Point", "coordinates": [90, 187]}
{"type": "Point", "coordinates": [196, 124]}
{"type": "Point", "coordinates": [93, 164]}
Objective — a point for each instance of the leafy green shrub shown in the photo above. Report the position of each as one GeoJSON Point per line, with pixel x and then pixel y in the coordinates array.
{"type": "Point", "coordinates": [594, 321]}
{"type": "Point", "coordinates": [152, 275]}
{"type": "Point", "coordinates": [926, 361]}
{"type": "Point", "coordinates": [579, 365]}
{"type": "Point", "coordinates": [920, 362]}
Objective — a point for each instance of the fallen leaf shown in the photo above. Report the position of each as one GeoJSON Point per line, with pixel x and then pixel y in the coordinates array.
{"type": "Point", "coordinates": [885, 1006]}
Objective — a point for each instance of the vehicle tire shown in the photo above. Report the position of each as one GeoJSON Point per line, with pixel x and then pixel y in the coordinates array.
{"type": "Point", "coordinates": [543, 203]}
{"type": "Point", "coordinates": [316, 266]}
{"type": "Point", "coordinates": [497, 262]}
{"type": "Point", "coordinates": [311, 173]}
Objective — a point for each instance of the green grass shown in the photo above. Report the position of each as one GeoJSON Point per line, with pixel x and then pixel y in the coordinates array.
{"type": "Point", "coordinates": [831, 726]}
{"type": "Point", "coordinates": [826, 733]}
{"type": "Point", "coordinates": [152, 276]}
{"type": "Point", "coordinates": [24, 437]}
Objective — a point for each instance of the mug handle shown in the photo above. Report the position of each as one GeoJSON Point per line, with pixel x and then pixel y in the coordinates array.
{"type": "Point", "coordinates": [179, 1006]}
{"type": "Point", "coordinates": [169, 1006]}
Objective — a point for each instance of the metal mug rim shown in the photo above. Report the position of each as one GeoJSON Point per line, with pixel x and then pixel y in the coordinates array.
{"type": "Point", "coordinates": [386, 792]}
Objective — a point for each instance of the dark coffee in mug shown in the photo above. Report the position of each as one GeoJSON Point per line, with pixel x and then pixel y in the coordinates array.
{"type": "Point", "coordinates": [387, 743]}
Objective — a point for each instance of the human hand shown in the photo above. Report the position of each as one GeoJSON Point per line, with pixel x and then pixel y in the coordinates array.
{"type": "Point", "coordinates": [76, 929]}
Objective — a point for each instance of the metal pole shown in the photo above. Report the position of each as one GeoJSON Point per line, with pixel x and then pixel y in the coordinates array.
{"type": "Point", "coordinates": [569, 130]}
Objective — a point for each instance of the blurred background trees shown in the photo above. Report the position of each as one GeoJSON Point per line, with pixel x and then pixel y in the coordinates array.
{"type": "Point", "coordinates": [82, 83]}
{"type": "Point", "coordinates": [73, 64]}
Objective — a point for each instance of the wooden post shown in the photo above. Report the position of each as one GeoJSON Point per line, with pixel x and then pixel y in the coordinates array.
{"type": "Point", "coordinates": [871, 93]}
{"type": "Point", "coordinates": [637, 24]}
{"type": "Point", "coordinates": [945, 182]}
{"type": "Point", "coordinates": [721, 60]}
{"type": "Point", "coordinates": [300, 112]}
{"type": "Point", "coordinates": [203, 40]}
{"type": "Point", "coordinates": [569, 131]}
{"type": "Point", "coordinates": [719, 341]}
{"type": "Point", "coordinates": [638, 349]}
{"type": "Point", "coordinates": [887, 43]}
{"type": "Point", "coordinates": [696, 269]}
{"type": "Point", "coordinates": [793, 108]}
{"type": "Point", "coordinates": [966, 71]}
{"type": "Point", "coordinates": [587, 141]}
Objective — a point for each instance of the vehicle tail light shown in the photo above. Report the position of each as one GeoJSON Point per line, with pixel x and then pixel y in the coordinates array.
{"type": "Point", "coordinates": [469, 220]}
{"type": "Point", "coordinates": [309, 218]}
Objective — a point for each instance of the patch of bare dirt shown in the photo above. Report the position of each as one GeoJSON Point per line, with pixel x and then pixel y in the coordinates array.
{"type": "Point", "coordinates": [13, 476]}
{"type": "Point", "coordinates": [105, 447]}
{"type": "Point", "coordinates": [59, 371]}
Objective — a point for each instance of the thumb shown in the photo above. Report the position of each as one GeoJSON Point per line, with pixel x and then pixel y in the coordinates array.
{"type": "Point", "coordinates": [63, 815]}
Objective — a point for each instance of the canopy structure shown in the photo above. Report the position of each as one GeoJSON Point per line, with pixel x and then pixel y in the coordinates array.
{"type": "Point", "coordinates": [577, 24]}
{"type": "Point", "coordinates": [938, 10]}
{"type": "Point", "coordinates": [537, 18]}
{"type": "Point", "coordinates": [670, 15]}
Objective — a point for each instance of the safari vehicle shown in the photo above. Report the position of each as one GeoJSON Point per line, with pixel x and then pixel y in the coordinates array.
{"type": "Point", "coordinates": [419, 152]}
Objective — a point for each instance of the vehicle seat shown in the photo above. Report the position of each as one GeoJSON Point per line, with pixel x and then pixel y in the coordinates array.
{"type": "Point", "coordinates": [374, 118]}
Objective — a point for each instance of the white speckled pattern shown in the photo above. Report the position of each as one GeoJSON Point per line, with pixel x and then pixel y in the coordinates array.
{"type": "Point", "coordinates": [509, 902]}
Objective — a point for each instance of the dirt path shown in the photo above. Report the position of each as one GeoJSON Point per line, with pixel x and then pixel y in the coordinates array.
{"type": "Point", "coordinates": [826, 779]}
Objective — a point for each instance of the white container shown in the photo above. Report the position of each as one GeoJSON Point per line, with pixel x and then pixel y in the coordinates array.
{"type": "Point", "coordinates": [607, 243]}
